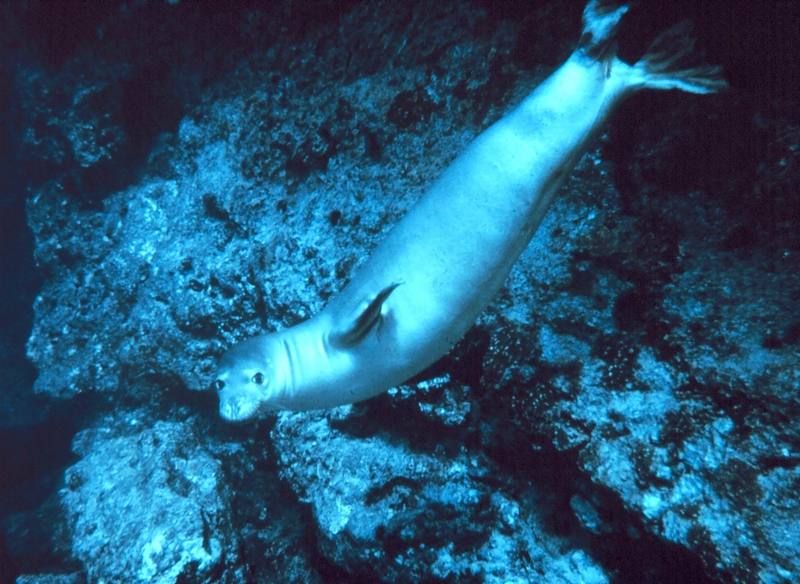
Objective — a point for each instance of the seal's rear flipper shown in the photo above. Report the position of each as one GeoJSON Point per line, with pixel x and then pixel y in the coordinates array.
{"type": "Point", "coordinates": [660, 67]}
{"type": "Point", "coordinates": [363, 322]}
{"type": "Point", "coordinates": [601, 19]}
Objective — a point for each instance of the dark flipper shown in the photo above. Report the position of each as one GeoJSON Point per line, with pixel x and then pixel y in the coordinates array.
{"type": "Point", "coordinates": [365, 321]}
{"type": "Point", "coordinates": [601, 19]}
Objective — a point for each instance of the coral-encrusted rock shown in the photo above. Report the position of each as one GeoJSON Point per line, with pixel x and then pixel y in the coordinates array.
{"type": "Point", "coordinates": [148, 505]}
{"type": "Point", "coordinates": [49, 579]}
{"type": "Point", "coordinates": [667, 360]}
{"type": "Point", "coordinates": [254, 213]}
{"type": "Point", "coordinates": [389, 513]}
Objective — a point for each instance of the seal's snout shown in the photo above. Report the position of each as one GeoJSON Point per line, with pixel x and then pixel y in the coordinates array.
{"type": "Point", "coordinates": [229, 410]}
{"type": "Point", "coordinates": [235, 407]}
{"type": "Point", "coordinates": [235, 410]}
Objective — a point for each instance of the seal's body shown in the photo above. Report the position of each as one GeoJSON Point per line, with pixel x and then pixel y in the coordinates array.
{"type": "Point", "coordinates": [425, 284]}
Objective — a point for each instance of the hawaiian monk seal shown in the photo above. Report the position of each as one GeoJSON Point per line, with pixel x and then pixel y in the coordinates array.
{"type": "Point", "coordinates": [426, 283]}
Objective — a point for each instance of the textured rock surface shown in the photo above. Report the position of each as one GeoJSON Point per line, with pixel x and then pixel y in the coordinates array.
{"type": "Point", "coordinates": [148, 505]}
{"type": "Point", "coordinates": [386, 512]}
{"type": "Point", "coordinates": [50, 579]}
{"type": "Point", "coordinates": [626, 409]}
{"type": "Point", "coordinates": [678, 386]}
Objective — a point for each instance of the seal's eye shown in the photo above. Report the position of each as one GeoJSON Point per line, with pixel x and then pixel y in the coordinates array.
{"type": "Point", "coordinates": [219, 384]}
{"type": "Point", "coordinates": [258, 378]}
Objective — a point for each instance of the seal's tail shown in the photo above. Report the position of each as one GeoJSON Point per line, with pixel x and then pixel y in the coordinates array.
{"type": "Point", "coordinates": [601, 19]}
{"type": "Point", "coordinates": [660, 67]}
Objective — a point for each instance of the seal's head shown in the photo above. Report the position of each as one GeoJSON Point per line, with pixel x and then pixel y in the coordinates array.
{"type": "Point", "coordinates": [250, 378]}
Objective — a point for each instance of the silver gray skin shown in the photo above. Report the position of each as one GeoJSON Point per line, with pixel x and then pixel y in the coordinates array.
{"type": "Point", "coordinates": [438, 268]}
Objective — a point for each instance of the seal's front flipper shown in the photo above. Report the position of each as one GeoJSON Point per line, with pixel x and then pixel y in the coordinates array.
{"type": "Point", "coordinates": [366, 320]}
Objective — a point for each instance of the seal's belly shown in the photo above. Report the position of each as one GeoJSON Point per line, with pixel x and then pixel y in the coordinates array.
{"type": "Point", "coordinates": [453, 251]}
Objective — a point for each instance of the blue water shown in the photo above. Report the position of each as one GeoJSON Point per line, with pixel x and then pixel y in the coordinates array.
{"type": "Point", "coordinates": [177, 177]}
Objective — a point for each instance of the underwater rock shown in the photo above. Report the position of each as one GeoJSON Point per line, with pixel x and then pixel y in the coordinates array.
{"type": "Point", "coordinates": [50, 579]}
{"type": "Point", "coordinates": [410, 107]}
{"type": "Point", "coordinates": [656, 374]}
{"type": "Point", "coordinates": [91, 111]}
{"type": "Point", "coordinates": [385, 512]}
{"type": "Point", "coordinates": [147, 504]}
{"type": "Point", "coordinates": [179, 258]}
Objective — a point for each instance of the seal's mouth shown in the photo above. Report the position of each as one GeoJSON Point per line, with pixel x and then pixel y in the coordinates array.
{"type": "Point", "coordinates": [242, 409]}
{"type": "Point", "coordinates": [237, 410]}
